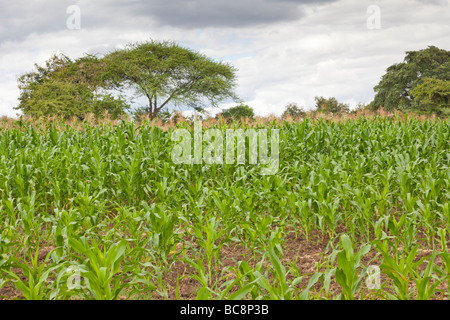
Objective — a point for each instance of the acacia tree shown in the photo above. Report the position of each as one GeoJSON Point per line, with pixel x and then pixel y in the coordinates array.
{"type": "Point", "coordinates": [395, 88]}
{"type": "Point", "coordinates": [166, 73]}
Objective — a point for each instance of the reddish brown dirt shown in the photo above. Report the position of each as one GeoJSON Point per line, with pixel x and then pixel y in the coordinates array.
{"type": "Point", "coordinates": [306, 255]}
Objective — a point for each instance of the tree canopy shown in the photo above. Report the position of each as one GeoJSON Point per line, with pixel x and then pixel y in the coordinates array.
{"type": "Point", "coordinates": [162, 71]}
{"type": "Point", "coordinates": [414, 75]}
{"type": "Point", "coordinates": [165, 72]}
{"type": "Point", "coordinates": [238, 112]}
{"type": "Point", "coordinates": [67, 88]}
{"type": "Point", "coordinates": [432, 96]}
{"type": "Point", "coordinates": [294, 111]}
{"type": "Point", "coordinates": [330, 105]}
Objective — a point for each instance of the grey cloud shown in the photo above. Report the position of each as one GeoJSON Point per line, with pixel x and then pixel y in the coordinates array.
{"type": "Point", "coordinates": [220, 13]}
{"type": "Point", "coordinates": [19, 18]}
{"type": "Point", "coordinates": [204, 13]}
{"type": "Point", "coordinates": [442, 3]}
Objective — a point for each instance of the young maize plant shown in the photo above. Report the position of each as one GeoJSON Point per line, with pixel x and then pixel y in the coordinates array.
{"type": "Point", "coordinates": [100, 210]}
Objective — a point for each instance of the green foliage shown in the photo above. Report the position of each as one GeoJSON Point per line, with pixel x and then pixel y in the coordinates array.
{"type": "Point", "coordinates": [165, 72]}
{"type": "Point", "coordinates": [395, 90]}
{"type": "Point", "coordinates": [34, 285]}
{"type": "Point", "coordinates": [293, 111]}
{"type": "Point", "coordinates": [432, 96]}
{"type": "Point", "coordinates": [330, 105]}
{"type": "Point", "coordinates": [348, 264]}
{"type": "Point", "coordinates": [238, 112]}
{"type": "Point", "coordinates": [100, 267]}
{"type": "Point", "coordinates": [115, 107]}
{"type": "Point", "coordinates": [67, 88]}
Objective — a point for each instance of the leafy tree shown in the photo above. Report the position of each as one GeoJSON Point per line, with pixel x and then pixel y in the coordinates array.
{"type": "Point", "coordinates": [106, 102]}
{"type": "Point", "coordinates": [394, 89]}
{"type": "Point", "coordinates": [66, 88]}
{"type": "Point", "coordinates": [432, 96]}
{"type": "Point", "coordinates": [238, 112]}
{"type": "Point", "coordinates": [360, 107]}
{"type": "Point", "coordinates": [330, 105]}
{"type": "Point", "coordinates": [293, 111]}
{"type": "Point", "coordinates": [165, 72]}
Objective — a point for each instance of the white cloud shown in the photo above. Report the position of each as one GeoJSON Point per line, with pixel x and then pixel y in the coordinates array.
{"type": "Point", "coordinates": [328, 51]}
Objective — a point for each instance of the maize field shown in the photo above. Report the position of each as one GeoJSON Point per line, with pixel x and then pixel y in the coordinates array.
{"type": "Point", "coordinates": [358, 209]}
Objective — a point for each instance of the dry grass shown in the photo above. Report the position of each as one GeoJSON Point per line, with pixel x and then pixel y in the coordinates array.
{"type": "Point", "coordinates": [43, 123]}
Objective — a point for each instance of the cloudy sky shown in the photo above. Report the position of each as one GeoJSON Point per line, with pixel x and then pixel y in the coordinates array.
{"type": "Point", "coordinates": [285, 50]}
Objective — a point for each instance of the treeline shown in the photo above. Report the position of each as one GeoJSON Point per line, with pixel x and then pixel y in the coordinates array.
{"type": "Point", "coordinates": [420, 84]}
{"type": "Point", "coordinates": [168, 75]}
{"type": "Point", "coordinates": [164, 73]}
